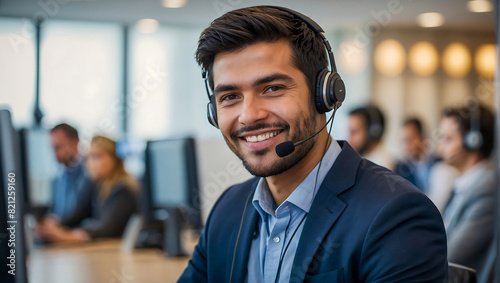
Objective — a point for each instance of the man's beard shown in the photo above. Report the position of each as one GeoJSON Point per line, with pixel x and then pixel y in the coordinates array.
{"type": "Point", "coordinates": [302, 131]}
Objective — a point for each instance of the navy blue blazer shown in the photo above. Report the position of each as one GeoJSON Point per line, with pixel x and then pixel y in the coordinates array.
{"type": "Point", "coordinates": [366, 224]}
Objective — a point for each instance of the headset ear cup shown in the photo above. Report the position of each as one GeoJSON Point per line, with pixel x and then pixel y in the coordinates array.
{"type": "Point", "coordinates": [375, 132]}
{"type": "Point", "coordinates": [473, 140]}
{"type": "Point", "coordinates": [338, 88]}
{"type": "Point", "coordinates": [212, 113]}
{"type": "Point", "coordinates": [330, 89]}
{"type": "Point", "coordinates": [321, 104]}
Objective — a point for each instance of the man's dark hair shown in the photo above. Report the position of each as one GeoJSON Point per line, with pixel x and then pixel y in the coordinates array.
{"type": "Point", "coordinates": [374, 121]}
{"type": "Point", "coordinates": [69, 131]}
{"type": "Point", "coordinates": [240, 28]}
{"type": "Point", "coordinates": [416, 123]}
{"type": "Point", "coordinates": [462, 116]}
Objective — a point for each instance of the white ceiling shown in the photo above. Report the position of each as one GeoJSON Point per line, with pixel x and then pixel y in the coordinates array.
{"type": "Point", "coordinates": [328, 13]}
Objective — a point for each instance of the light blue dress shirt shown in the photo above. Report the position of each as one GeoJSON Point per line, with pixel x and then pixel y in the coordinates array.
{"type": "Point", "coordinates": [278, 224]}
{"type": "Point", "coordinates": [68, 186]}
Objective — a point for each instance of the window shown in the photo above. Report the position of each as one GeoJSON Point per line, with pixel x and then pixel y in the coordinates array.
{"type": "Point", "coordinates": [81, 75]}
{"type": "Point", "coordinates": [17, 69]}
{"type": "Point", "coordinates": [166, 92]}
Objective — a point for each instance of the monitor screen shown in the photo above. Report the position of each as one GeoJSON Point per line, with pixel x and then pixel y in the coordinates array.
{"type": "Point", "coordinates": [172, 177]}
{"type": "Point", "coordinates": [169, 174]}
{"type": "Point", "coordinates": [40, 166]}
{"type": "Point", "coordinates": [13, 248]}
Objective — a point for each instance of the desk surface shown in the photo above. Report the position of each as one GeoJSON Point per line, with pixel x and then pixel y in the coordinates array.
{"type": "Point", "coordinates": [102, 262]}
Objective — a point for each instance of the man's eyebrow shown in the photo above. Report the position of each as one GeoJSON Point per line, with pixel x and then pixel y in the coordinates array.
{"type": "Point", "coordinates": [272, 78]}
{"type": "Point", "coordinates": [264, 80]}
{"type": "Point", "coordinates": [224, 87]}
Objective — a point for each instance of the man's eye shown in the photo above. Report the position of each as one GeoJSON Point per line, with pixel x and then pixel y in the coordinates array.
{"type": "Point", "coordinates": [274, 88]}
{"type": "Point", "coordinates": [228, 97]}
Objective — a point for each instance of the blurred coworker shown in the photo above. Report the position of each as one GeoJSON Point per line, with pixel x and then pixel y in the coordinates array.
{"type": "Point", "coordinates": [113, 202]}
{"type": "Point", "coordinates": [71, 188]}
{"type": "Point", "coordinates": [366, 128]}
{"type": "Point", "coordinates": [440, 184]}
{"type": "Point", "coordinates": [418, 161]}
{"type": "Point", "coordinates": [466, 142]}
{"type": "Point", "coordinates": [422, 168]}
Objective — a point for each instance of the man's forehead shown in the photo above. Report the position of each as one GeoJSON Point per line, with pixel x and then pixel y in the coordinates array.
{"type": "Point", "coordinates": [261, 53]}
{"type": "Point", "coordinates": [449, 123]}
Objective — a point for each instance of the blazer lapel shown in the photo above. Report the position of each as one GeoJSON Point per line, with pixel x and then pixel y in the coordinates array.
{"type": "Point", "coordinates": [326, 208]}
{"type": "Point", "coordinates": [248, 227]}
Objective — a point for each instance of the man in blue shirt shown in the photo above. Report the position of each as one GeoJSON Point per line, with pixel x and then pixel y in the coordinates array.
{"type": "Point", "coordinates": [418, 161]}
{"type": "Point", "coordinates": [71, 187]}
{"type": "Point", "coordinates": [316, 211]}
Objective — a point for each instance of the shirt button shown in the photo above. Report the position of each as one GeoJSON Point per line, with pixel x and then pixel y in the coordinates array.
{"type": "Point", "coordinates": [276, 239]}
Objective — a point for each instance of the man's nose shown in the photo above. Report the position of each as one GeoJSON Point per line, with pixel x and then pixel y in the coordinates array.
{"type": "Point", "coordinates": [253, 110]}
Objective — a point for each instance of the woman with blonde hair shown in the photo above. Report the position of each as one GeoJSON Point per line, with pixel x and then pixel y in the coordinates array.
{"type": "Point", "coordinates": [112, 203]}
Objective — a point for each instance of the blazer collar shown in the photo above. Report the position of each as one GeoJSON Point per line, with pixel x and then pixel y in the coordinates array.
{"type": "Point", "coordinates": [248, 230]}
{"type": "Point", "coordinates": [317, 224]}
{"type": "Point", "coordinates": [326, 208]}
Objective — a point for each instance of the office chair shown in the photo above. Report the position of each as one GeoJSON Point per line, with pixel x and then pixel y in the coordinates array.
{"type": "Point", "coordinates": [460, 274]}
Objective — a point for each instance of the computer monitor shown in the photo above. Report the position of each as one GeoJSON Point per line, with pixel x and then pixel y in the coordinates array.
{"type": "Point", "coordinates": [171, 186]}
{"type": "Point", "coordinates": [39, 167]}
{"type": "Point", "coordinates": [12, 237]}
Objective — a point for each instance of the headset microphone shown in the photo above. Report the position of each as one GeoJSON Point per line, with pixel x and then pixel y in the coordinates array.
{"type": "Point", "coordinates": [286, 148]}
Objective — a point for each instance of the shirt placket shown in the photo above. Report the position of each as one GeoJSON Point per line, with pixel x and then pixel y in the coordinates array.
{"type": "Point", "coordinates": [275, 243]}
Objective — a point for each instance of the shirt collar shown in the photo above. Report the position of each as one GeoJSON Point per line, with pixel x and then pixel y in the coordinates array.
{"type": "Point", "coordinates": [303, 196]}
{"type": "Point", "coordinates": [73, 166]}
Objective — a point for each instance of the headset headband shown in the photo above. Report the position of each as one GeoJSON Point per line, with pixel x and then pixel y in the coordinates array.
{"type": "Point", "coordinates": [310, 22]}
{"type": "Point", "coordinates": [315, 27]}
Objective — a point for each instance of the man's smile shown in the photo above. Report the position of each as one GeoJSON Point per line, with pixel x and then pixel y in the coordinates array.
{"type": "Point", "coordinates": [261, 136]}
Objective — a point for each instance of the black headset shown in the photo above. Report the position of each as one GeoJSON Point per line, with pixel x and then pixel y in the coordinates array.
{"type": "Point", "coordinates": [330, 88]}
{"type": "Point", "coordinates": [473, 139]}
{"type": "Point", "coordinates": [375, 129]}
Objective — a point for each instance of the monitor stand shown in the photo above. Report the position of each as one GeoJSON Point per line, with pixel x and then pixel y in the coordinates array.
{"type": "Point", "coordinates": [173, 245]}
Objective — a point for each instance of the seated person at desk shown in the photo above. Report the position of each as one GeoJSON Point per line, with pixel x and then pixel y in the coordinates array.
{"type": "Point", "coordinates": [71, 187]}
{"type": "Point", "coordinates": [366, 128]}
{"type": "Point", "coordinates": [418, 161]}
{"type": "Point", "coordinates": [113, 199]}
{"type": "Point", "coordinates": [466, 142]}
{"type": "Point", "coordinates": [422, 167]}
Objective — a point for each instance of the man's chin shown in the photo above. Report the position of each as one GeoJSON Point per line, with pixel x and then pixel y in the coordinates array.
{"type": "Point", "coordinates": [259, 171]}
{"type": "Point", "coordinates": [261, 152]}
{"type": "Point", "coordinates": [265, 167]}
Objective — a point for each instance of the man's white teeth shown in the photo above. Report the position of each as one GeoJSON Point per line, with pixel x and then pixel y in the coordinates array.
{"type": "Point", "coordinates": [261, 137]}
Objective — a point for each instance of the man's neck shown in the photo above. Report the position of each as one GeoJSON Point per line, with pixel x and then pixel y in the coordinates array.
{"type": "Point", "coordinates": [368, 148]}
{"type": "Point", "coordinates": [72, 162]}
{"type": "Point", "coordinates": [283, 185]}
{"type": "Point", "coordinates": [470, 161]}
{"type": "Point", "coordinates": [417, 156]}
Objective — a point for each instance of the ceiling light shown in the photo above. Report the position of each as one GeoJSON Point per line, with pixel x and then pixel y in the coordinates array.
{"type": "Point", "coordinates": [430, 20]}
{"type": "Point", "coordinates": [485, 59]}
{"type": "Point", "coordinates": [480, 6]}
{"type": "Point", "coordinates": [147, 25]}
{"type": "Point", "coordinates": [456, 60]}
{"type": "Point", "coordinates": [423, 58]}
{"type": "Point", "coordinates": [173, 3]}
{"type": "Point", "coordinates": [352, 57]}
{"type": "Point", "coordinates": [390, 57]}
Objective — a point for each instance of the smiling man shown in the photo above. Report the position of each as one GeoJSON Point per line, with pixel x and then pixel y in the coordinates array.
{"type": "Point", "coordinates": [317, 212]}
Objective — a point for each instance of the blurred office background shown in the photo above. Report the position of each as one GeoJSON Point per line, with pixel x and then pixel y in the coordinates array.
{"type": "Point", "coordinates": [126, 68]}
